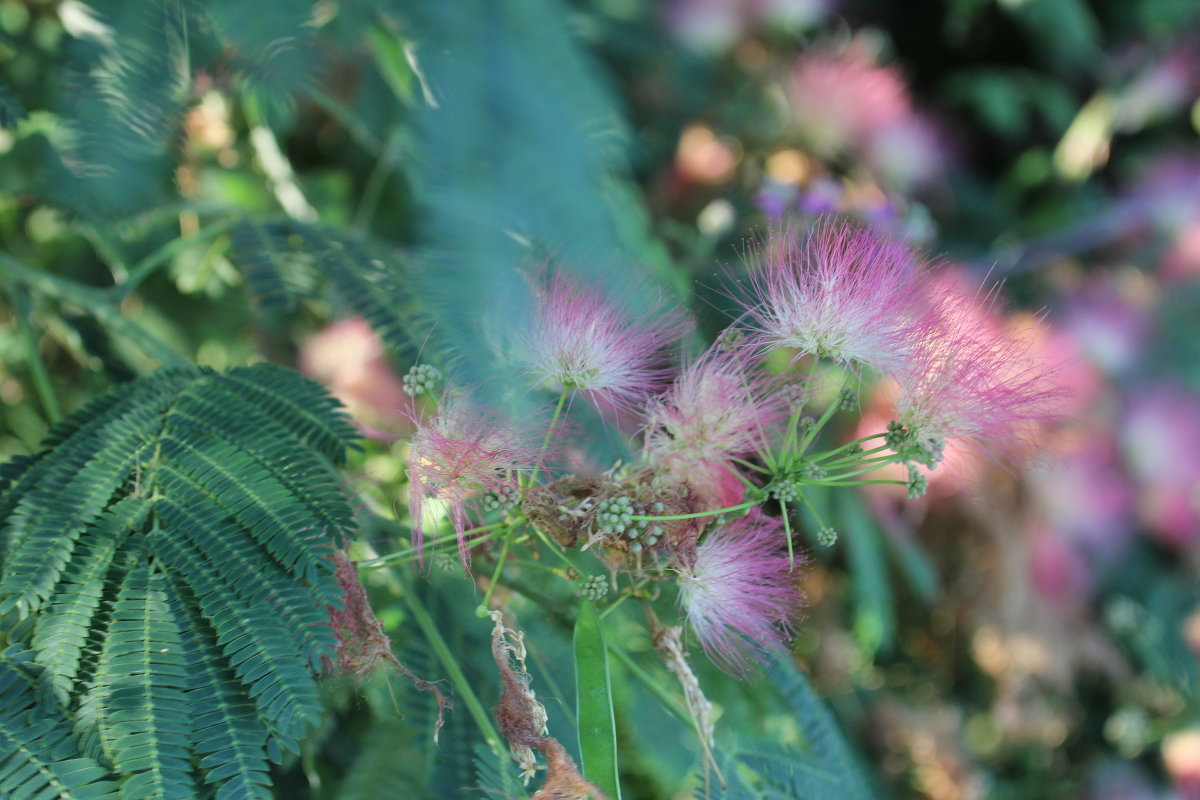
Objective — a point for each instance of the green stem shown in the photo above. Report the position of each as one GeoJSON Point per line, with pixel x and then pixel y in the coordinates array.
{"type": "Point", "coordinates": [852, 455]}
{"type": "Point", "coordinates": [630, 592]}
{"type": "Point", "coordinates": [482, 610]}
{"type": "Point", "coordinates": [562, 400]}
{"type": "Point", "coordinates": [434, 545]}
{"type": "Point", "coordinates": [41, 378]}
{"type": "Point", "coordinates": [812, 510]}
{"type": "Point", "coordinates": [553, 547]}
{"type": "Point", "coordinates": [376, 181]}
{"type": "Point", "coordinates": [450, 664]}
{"type": "Point", "coordinates": [871, 466]}
{"type": "Point", "coordinates": [787, 529]}
{"type": "Point", "coordinates": [696, 515]}
{"type": "Point", "coordinates": [828, 415]}
{"type": "Point", "coordinates": [750, 465]}
{"type": "Point", "coordinates": [851, 483]}
{"type": "Point", "coordinates": [163, 255]}
{"type": "Point", "coordinates": [670, 701]}
{"type": "Point", "coordinates": [91, 300]}
{"type": "Point", "coordinates": [108, 252]}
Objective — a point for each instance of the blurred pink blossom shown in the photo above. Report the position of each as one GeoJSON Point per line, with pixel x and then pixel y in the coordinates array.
{"type": "Point", "coordinates": [1160, 437]}
{"type": "Point", "coordinates": [1110, 330]}
{"type": "Point", "coordinates": [349, 358]}
{"type": "Point", "coordinates": [974, 378]}
{"type": "Point", "coordinates": [1082, 493]}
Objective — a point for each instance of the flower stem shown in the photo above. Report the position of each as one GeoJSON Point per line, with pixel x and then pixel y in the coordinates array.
{"type": "Point", "coordinates": [41, 378]}
{"type": "Point", "coordinates": [433, 545]}
{"type": "Point", "coordinates": [461, 684]}
{"type": "Point", "coordinates": [562, 400]}
{"type": "Point", "coordinates": [787, 529]}
{"type": "Point", "coordinates": [828, 415]}
{"type": "Point", "coordinates": [482, 610]}
{"type": "Point", "coordinates": [696, 515]}
{"type": "Point", "coordinates": [144, 268]}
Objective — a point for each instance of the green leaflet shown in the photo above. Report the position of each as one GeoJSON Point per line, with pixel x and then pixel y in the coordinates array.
{"type": "Point", "coordinates": [39, 757]}
{"type": "Point", "coordinates": [875, 616]}
{"type": "Point", "coordinates": [597, 729]}
{"type": "Point", "coordinates": [169, 550]}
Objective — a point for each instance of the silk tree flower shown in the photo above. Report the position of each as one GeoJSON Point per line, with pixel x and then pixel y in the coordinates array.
{"type": "Point", "coordinates": [349, 358]}
{"type": "Point", "coordinates": [739, 591]}
{"type": "Point", "coordinates": [580, 340]}
{"type": "Point", "coordinates": [1160, 438]}
{"type": "Point", "coordinates": [845, 293]}
{"type": "Point", "coordinates": [839, 100]}
{"type": "Point", "coordinates": [461, 453]}
{"type": "Point", "coordinates": [973, 378]}
{"type": "Point", "coordinates": [716, 410]}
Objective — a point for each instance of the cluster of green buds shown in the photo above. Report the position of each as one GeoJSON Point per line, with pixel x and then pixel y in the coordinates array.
{"type": "Point", "coordinates": [911, 447]}
{"type": "Point", "coordinates": [827, 537]}
{"type": "Point", "coordinates": [593, 587]}
{"type": "Point", "coordinates": [446, 562]}
{"type": "Point", "coordinates": [917, 483]}
{"type": "Point", "coordinates": [501, 499]}
{"type": "Point", "coordinates": [795, 396]}
{"type": "Point", "coordinates": [615, 516]}
{"type": "Point", "coordinates": [420, 379]}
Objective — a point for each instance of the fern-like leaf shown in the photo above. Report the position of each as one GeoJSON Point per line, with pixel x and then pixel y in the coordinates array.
{"type": "Point", "coordinates": [285, 261]}
{"type": "Point", "coordinates": [39, 757]}
{"type": "Point", "coordinates": [172, 546]}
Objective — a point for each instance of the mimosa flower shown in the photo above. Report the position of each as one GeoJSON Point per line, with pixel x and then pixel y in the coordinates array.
{"type": "Point", "coordinates": [717, 409]}
{"type": "Point", "coordinates": [740, 592]}
{"type": "Point", "coordinates": [845, 293]}
{"type": "Point", "coordinates": [461, 453]}
{"type": "Point", "coordinates": [972, 378]}
{"type": "Point", "coordinates": [582, 341]}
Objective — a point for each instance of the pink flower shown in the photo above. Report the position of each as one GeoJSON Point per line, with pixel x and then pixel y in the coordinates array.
{"type": "Point", "coordinates": [458, 454]}
{"type": "Point", "coordinates": [973, 378]}
{"type": "Point", "coordinates": [717, 409]}
{"type": "Point", "coordinates": [349, 358]}
{"type": "Point", "coordinates": [739, 592]}
{"type": "Point", "coordinates": [839, 100]}
{"type": "Point", "coordinates": [1161, 442]}
{"type": "Point", "coordinates": [582, 341]}
{"type": "Point", "coordinates": [845, 293]}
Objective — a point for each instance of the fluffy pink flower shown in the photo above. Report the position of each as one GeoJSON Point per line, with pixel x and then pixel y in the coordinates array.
{"type": "Point", "coordinates": [840, 100]}
{"type": "Point", "coordinates": [739, 592]}
{"type": "Point", "coordinates": [716, 409]}
{"type": "Point", "coordinates": [349, 357]}
{"type": "Point", "coordinates": [973, 378]}
{"type": "Point", "coordinates": [844, 293]}
{"type": "Point", "coordinates": [1161, 441]}
{"type": "Point", "coordinates": [582, 341]}
{"type": "Point", "coordinates": [458, 454]}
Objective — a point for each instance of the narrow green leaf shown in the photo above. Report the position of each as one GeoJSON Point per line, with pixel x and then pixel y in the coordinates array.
{"type": "Point", "coordinates": [875, 616]}
{"type": "Point", "coordinates": [597, 730]}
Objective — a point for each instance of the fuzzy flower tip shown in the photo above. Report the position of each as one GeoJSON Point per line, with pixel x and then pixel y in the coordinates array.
{"type": "Point", "coordinates": [582, 341]}
{"type": "Point", "coordinates": [739, 592]}
{"type": "Point", "coordinates": [717, 409]}
{"type": "Point", "coordinates": [845, 293]}
{"type": "Point", "coordinates": [974, 379]}
{"type": "Point", "coordinates": [459, 454]}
